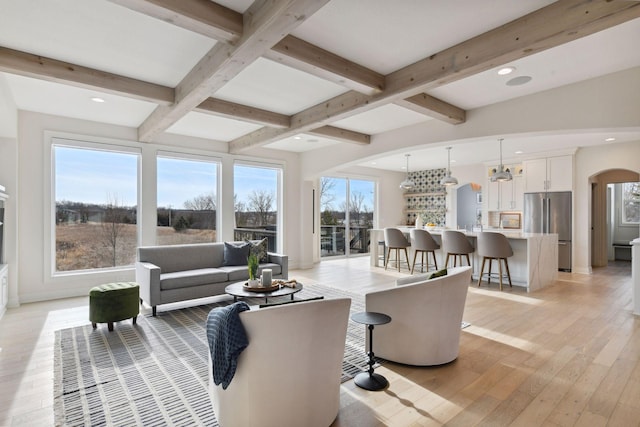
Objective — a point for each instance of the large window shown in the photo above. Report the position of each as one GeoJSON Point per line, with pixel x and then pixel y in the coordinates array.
{"type": "Point", "coordinates": [96, 198]}
{"type": "Point", "coordinates": [257, 202]}
{"type": "Point", "coordinates": [346, 215]}
{"type": "Point", "coordinates": [631, 203]}
{"type": "Point", "coordinates": [187, 200]}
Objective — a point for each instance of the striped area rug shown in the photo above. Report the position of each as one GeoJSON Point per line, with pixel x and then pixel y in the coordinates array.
{"type": "Point", "coordinates": [155, 373]}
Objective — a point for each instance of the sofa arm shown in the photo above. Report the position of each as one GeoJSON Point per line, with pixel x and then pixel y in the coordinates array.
{"type": "Point", "coordinates": [282, 260]}
{"type": "Point", "coordinates": [148, 278]}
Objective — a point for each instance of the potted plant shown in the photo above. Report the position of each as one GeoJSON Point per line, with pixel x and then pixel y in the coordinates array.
{"type": "Point", "coordinates": [252, 263]}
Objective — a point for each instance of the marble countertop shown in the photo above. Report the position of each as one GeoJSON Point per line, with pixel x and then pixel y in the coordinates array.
{"type": "Point", "coordinates": [510, 234]}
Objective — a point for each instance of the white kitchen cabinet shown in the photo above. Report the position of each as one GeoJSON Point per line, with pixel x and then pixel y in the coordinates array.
{"type": "Point", "coordinates": [507, 195]}
{"type": "Point", "coordinates": [548, 174]}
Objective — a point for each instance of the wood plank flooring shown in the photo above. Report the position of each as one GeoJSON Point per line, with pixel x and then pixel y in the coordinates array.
{"type": "Point", "coordinates": [563, 356]}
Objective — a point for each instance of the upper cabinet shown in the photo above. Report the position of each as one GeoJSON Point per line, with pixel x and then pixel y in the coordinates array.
{"type": "Point", "coordinates": [548, 174]}
{"type": "Point", "coordinates": [508, 195]}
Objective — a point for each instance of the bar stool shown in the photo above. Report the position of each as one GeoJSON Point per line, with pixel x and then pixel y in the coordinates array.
{"type": "Point", "coordinates": [394, 239]}
{"type": "Point", "coordinates": [494, 246]}
{"type": "Point", "coordinates": [455, 243]}
{"type": "Point", "coordinates": [423, 242]}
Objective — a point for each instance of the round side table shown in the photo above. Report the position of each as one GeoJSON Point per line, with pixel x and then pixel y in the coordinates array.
{"type": "Point", "coordinates": [370, 380]}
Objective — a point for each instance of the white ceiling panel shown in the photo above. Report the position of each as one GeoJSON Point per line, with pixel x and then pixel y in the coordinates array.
{"type": "Point", "coordinates": [387, 35]}
{"type": "Point", "coordinates": [615, 49]}
{"type": "Point", "coordinates": [382, 119]}
{"type": "Point", "coordinates": [275, 87]}
{"type": "Point", "coordinates": [61, 100]}
{"type": "Point", "coordinates": [303, 142]}
{"type": "Point", "coordinates": [102, 35]}
{"type": "Point", "coordinates": [211, 127]}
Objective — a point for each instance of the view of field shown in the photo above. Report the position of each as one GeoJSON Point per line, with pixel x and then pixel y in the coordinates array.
{"type": "Point", "coordinates": [84, 246]}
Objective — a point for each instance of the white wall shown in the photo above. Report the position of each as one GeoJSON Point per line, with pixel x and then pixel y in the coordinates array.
{"type": "Point", "coordinates": [589, 162]}
{"type": "Point", "coordinates": [600, 104]}
{"type": "Point", "coordinates": [32, 192]}
{"type": "Point", "coordinates": [8, 111]}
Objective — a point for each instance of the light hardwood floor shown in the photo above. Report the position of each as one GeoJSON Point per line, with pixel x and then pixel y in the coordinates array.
{"type": "Point", "coordinates": [566, 355]}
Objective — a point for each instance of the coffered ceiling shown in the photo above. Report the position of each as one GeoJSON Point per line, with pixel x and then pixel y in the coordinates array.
{"type": "Point", "coordinates": [300, 75]}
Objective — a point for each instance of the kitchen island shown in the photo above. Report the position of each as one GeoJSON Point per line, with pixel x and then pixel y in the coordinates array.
{"type": "Point", "coordinates": [534, 263]}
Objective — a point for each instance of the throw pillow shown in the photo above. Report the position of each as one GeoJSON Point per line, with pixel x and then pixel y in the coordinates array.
{"type": "Point", "coordinates": [438, 273]}
{"type": "Point", "coordinates": [259, 248]}
{"type": "Point", "coordinates": [236, 254]}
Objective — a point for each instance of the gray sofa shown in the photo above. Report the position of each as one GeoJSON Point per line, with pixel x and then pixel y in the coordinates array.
{"type": "Point", "coordinates": [175, 273]}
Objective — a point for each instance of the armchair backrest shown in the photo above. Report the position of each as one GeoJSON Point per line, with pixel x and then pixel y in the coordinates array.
{"type": "Point", "coordinates": [290, 373]}
{"type": "Point", "coordinates": [426, 319]}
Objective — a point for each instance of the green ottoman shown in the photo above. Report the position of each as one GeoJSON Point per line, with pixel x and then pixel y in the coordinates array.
{"type": "Point", "coordinates": [113, 302]}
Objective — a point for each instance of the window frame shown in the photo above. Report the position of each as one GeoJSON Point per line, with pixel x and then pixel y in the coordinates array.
{"type": "Point", "coordinates": [197, 158]}
{"type": "Point", "coordinates": [55, 139]}
{"type": "Point", "coordinates": [280, 194]}
{"type": "Point", "coordinates": [623, 219]}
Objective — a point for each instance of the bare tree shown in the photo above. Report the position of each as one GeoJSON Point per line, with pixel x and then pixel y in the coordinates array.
{"type": "Point", "coordinates": [206, 205]}
{"type": "Point", "coordinates": [261, 201]}
{"type": "Point", "coordinates": [203, 202]}
{"type": "Point", "coordinates": [356, 207]}
{"type": "Point", "coordinates": [113, 225]}
{"type": "Point", "coordinates": [327, 197]}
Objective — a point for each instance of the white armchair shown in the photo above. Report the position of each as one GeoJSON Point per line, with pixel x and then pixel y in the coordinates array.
{"type": "Point", "coordinates": [289, 375]}
{"type": "Point", "coordinates": [426, 317]}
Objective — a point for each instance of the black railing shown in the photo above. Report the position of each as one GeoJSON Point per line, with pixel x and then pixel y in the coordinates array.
{"type": "Point", "coordinates": [332, 239]}
{"type": "Point", "coordinates": [240, 234]}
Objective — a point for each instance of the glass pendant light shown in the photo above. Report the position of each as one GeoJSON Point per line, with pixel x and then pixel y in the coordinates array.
{"type": "Point", "coordinates": [407, 184]}
{"type": "Point", "coordinates": [448, 179]}
{"type": "Point", "coordinates": [501, 175]}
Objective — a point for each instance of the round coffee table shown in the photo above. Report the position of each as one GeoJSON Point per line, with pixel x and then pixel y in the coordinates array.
{"type": "Point", "coordinates": [238, 289]}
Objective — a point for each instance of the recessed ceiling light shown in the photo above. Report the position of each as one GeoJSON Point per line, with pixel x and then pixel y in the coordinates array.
{"type": "Point", "coordinates": [453, 160]}
{"type": "Point", "coordinates": [374, 163]}
{"type": "Point", "coordinates": [506, 70]}
{"type": "Point", "coordinates": [520, 80]}
{"type": "Point", "coordinates": [97, 99]}
{"type": "Point", "coordinates": [519, 152]}
{"type": "Point", "coordinates": [610, 139]}
{"type": "Point", "coordinates": [297, 137]}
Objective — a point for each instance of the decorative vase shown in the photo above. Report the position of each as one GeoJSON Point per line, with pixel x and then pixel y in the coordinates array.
{"type": "Point", "coordinates": [254, 283]}
{"type": "Point", "coordinates": [419, 221]}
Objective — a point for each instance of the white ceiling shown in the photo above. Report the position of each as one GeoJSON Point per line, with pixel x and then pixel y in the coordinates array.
{"type": "Point", "coordinates": [379, 34]}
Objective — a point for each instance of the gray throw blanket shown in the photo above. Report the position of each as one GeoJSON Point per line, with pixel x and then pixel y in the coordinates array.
{"type": "Point", "coordinates": [227, 339]}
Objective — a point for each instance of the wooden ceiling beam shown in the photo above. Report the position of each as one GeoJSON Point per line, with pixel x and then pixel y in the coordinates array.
{"type": "Point", "coordinates": [265, 23]}
{"type": "Point", "coordinates": [200, 16]}
{"type": "Point", "coordinates": [434, 107]}
{"type": "Point", "coordinates": [560, 22]}
{"type": "Point", "coordinates": [343, 135]}
{"type": "Point", "coordinates": [231, 110]}
{"type": "Point", "coordinates": [218, 22]}
{"type": "Point", "coordinates": [43, 68]}
{"type": "Point", "coordinates": [314, 60]}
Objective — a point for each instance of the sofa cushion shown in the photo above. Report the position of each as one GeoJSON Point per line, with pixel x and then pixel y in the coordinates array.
{"type": "Point", "coordinates": [259, 248]}
{"type": "Point", "coordinates": [187, 278]}
{"type": "Point", "coordinates": [236, 253]}
{"type": "Point", "coordinates": [192, 256]}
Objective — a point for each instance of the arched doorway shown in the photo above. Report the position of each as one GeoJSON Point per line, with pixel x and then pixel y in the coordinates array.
{"type": "Point", "coordinates": [599, 218]}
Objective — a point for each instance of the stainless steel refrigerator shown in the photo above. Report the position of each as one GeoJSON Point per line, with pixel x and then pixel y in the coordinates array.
{"type": "Point", "coordinates": [551, 213]}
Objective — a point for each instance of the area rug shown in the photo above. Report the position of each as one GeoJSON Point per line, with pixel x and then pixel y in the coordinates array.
{"type": "Point", "coordinates": [156, 373]}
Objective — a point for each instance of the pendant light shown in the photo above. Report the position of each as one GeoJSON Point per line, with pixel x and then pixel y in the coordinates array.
{"type": "Point", "coordinates": [501, 175]}
{"type": "Point", "coordinates": [448, 179]}
{"type": "Point", "coordinates": [407, 184]}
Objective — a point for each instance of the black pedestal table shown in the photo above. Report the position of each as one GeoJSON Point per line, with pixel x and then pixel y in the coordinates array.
{"type": "Point", "coordinates": [370, 380]}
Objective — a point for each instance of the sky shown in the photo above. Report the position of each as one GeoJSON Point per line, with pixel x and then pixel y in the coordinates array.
{"type": "Point", "coordinates": [93, 176]}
